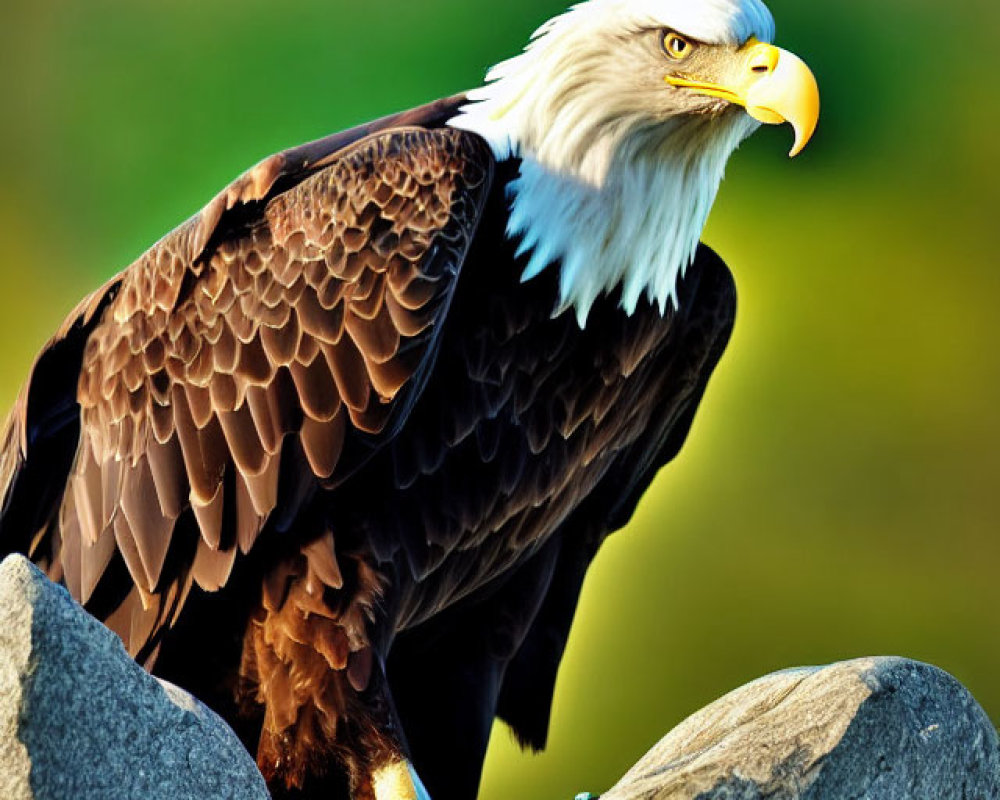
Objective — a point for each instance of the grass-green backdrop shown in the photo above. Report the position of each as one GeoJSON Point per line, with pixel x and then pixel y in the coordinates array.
{"type": "Point", "coordinates": [840, 492]}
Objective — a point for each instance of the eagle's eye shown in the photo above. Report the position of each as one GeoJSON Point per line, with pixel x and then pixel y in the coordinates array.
{"type": "Point", "coordinates": [676, 46]}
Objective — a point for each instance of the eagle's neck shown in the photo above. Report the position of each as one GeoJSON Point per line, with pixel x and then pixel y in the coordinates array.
{"type": "Point", "coordinates": [613, 191]}
{"type": "Point", "coordinates": [629, 213]}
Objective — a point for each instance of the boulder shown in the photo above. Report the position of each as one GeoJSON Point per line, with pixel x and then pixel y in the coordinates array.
{"type": "Point", "coordinates": [873, 729]}
{"type": "Point", "coordinates": [80, 719]}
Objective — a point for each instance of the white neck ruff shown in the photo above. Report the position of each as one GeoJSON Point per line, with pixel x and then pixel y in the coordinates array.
{"type": "Point", "coordinates": [612, 197]}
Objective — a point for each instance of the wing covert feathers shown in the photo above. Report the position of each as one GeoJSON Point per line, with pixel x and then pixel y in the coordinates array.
{"type": "Point", "coordinates": [296, 328]}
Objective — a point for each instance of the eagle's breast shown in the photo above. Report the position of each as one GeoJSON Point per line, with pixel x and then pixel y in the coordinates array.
{"type": "Point", "coordinates": [524, 416]}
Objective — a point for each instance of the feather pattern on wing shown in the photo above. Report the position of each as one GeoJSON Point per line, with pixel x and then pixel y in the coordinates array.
{"type": "Point", "coordinates": [302, 323]}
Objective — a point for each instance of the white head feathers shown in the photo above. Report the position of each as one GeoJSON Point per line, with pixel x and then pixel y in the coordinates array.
{"type": "Point", "coordinates": [615, 198]}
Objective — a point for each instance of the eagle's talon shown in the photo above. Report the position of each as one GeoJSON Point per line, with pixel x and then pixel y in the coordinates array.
{"type": "Point", "coordinates": [398, 781]}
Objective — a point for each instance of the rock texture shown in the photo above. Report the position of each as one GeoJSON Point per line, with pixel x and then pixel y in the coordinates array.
{"type": "Point", "coordinates": [79, 719]}
{"type": "Point", "coordinates": [874, 729]}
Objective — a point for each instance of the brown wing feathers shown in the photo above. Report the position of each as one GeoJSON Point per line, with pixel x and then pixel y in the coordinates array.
{"type": "Point", "coordinates": [44, 423]}
{"type": "Point", "coordinates": [301, 326]}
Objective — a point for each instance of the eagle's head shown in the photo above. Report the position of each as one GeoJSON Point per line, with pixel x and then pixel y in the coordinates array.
{"type": "Point", "coordinates": [625, 113]}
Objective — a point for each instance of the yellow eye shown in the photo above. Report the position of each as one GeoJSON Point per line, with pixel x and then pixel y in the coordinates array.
{"type": "Point", "coordinates": [676, 46]}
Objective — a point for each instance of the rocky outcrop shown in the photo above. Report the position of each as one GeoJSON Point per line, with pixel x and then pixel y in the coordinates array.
{"type": "Point", "coordinates": [79, 719]}
{"type": "Point", "coordinates": [873, 729]}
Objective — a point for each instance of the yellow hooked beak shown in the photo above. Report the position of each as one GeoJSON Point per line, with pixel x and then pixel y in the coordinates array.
{"type": "Point", "coordinates": [774, 86]}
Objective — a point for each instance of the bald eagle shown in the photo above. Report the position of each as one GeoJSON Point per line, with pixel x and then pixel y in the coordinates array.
{"type": "Point", "coordinates": [336, 454]}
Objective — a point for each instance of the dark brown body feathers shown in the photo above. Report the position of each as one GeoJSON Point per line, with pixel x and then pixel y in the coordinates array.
{"type": "Point", "coordinates": [322, 442]}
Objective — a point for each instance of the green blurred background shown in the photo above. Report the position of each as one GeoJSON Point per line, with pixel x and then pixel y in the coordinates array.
{"type": "Point", "coordinates": [839, 494]}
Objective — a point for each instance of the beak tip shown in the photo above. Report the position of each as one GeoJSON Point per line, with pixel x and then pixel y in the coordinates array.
{"type": "Point", "coordinates": [790, 94]}
{"type": "Point", "coordinates": [804, 135]}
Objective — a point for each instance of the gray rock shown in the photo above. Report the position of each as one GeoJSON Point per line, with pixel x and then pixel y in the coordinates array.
{"type": "Point", "coordinates": [873, 729]}
{"type": "Point", "coordinates": [79, 719]}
